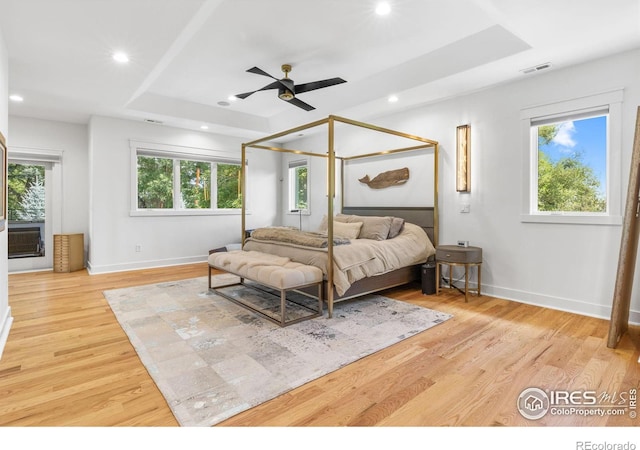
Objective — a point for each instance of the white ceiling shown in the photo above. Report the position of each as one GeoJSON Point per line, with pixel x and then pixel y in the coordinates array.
{"type": "Point", "coordinates": [188, 55]}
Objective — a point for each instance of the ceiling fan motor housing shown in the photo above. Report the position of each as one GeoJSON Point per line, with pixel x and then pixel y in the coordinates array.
{"type": "Point", "coordinates": [288, 92]}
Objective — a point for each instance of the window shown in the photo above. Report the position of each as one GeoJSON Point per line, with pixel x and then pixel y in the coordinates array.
{"type": "Point", "coordinates": [26, 196]}
{"type": "Point", "coordinates": [175, 182]}
{"type": "Point", "coordinates": [26, 209]}
{"type": "Point", "coordinates": [228, 186]}
{"type": "Point", "coordinates": [298, 186]}
{"type": "Point", "coordinates": [572, 163]}
{"type": "Point", "coordinates": [573, 156]}
{"type": "Point", "coordinates": [155, 182]}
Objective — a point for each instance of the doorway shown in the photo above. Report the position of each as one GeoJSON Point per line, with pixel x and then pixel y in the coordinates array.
{"type": "Point", "coordinates": [33, 209]}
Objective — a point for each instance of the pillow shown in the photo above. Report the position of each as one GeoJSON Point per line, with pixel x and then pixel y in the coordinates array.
{"type": "Point", "coordinates": [345, 218]}
{"type": "Point", "coordinates": [373, 227]}
{"type": "Point", "coordinates": [337, 218]}
{"type": "Point", "coordinates": [397, 225]}
{"type": "Point", "coordinates": [346, 230]}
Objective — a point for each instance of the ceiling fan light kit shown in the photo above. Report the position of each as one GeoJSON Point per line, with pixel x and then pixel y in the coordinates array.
{"type": "Point", "coordinates": [285, 94]}
{"type": "Point", "coordinates": [287, 89]}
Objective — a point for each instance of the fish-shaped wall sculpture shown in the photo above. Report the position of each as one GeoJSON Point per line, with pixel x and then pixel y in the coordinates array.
{"type": "Point", "coordinates": [387, 179]}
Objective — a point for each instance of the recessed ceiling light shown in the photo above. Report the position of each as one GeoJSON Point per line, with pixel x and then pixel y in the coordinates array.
{"type": "Point", "coordinates": [120, 57]}
{"type": "Point", "coordinates": [383, 8]}
{"type": "Point", "coordinates": [204, 127]}
{"type": "Point", "coordinates": [392, 98]}
{"type": "Point", "coordinates": [16, 98]}
{"type": "Point", "coordinates": [223, 103]}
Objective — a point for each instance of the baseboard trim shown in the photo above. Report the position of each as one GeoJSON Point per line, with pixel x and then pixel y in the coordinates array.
{"type": "Point", "coordinates": [139, 265]}
{"type": "Point", "coordinates": [7, 320]}
{"type": "Point", "coordinates": [529, 298]}
{"type": "Point", "coordinates": [557, 303]}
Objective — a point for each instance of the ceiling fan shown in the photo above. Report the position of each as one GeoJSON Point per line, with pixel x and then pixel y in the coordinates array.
{"type": "Point", "coordinates": [287, 90]}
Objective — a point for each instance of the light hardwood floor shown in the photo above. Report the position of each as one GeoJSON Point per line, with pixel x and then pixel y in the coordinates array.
{"type": "Point", "coordinates": [67, 362]}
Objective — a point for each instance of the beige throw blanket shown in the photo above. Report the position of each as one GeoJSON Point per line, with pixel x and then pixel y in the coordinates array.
{"type": "Point", "coordinates": [296, 237]}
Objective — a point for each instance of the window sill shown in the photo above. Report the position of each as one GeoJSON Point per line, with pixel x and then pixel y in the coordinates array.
{"type": "Point", "coordinates": [571, 219]}
{"type": "Point", "coordinates": [182, 212]}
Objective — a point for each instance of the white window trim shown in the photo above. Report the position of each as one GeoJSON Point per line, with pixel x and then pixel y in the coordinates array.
{"type": "Point", "coordinates": [175, 151]}
{"type": "Point", "coordinates": [291, 194]}
{"type": "Point", "coordinates": [613, 216]}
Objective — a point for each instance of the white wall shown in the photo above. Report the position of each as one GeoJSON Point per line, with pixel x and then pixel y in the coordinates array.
{"type": "Point", "coordinates": [568, 267]}
{"type": "Point", "coordinates": [5, 310]}
{"type": "Point", "coordinates": [168, 240]}
{"type": "Point", "coordinates": [72, 141]}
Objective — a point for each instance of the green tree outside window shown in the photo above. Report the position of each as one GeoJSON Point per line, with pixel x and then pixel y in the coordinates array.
{"type": "Point", "coordinates": [566, 183]}
{"type": "Point", "coordinates": [301, 188]}
{"type": "Point", "coordinates": [228, 186]}
{"type": "Point", "coordinates": [26, 192]}
{"type": "Point", "coordinates": [156, 184]}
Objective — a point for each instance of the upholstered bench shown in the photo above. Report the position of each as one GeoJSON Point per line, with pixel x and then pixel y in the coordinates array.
{"type": "Point", "coordinates": [271, 271]}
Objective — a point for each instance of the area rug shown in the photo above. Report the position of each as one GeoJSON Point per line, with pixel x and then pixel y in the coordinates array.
{"type": "Point", "coordinates": [212, 359]}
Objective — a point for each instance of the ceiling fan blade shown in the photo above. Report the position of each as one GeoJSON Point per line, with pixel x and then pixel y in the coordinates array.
{"type": "Point", "coordinates": [259, 71]}
{"type": "Point", "coordinates": [301, 104]}
{"type": "Point", "coordinates": [285, 82]}
{"type": "Point", "coordinates": [274, 85]}
{"type": "Point", "coordinates": [306, 87]}
{"type": "Point", "coordinates": [244, 95]}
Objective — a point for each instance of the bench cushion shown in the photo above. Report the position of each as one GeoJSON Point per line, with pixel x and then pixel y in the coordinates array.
{"type": "Point", "coordinates": [271, 270]}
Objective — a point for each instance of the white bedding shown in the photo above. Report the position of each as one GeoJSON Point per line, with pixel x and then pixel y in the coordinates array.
{"type": "Point", "coordinates": [361, 258]}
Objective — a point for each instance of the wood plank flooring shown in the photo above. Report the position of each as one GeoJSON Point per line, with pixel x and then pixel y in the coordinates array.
{"type": "Point", "coordinates": [67, 362]}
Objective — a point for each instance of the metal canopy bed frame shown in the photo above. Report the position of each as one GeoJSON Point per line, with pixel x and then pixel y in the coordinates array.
{"type": "Point", "coordinates": [427, 217]}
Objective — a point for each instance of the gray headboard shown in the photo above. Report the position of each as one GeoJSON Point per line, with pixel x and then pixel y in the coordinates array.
{"type": "Point", "coordinates": [422, 216]}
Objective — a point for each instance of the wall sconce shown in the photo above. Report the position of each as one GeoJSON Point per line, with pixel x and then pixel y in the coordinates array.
{"type": "Point", "coordinates": [463, 161]}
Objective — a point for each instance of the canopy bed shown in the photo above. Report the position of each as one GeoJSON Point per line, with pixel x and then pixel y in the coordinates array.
{"type": "Point", "coordinates": [370, 247]}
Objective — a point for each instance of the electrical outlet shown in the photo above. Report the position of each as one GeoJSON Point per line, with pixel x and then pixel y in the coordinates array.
{"type": "Point", "coordinates": [138, 247]}
{"type": "Point", "coordinates": [463, 243]}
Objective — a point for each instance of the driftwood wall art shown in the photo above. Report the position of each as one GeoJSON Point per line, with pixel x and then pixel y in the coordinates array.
{"type": "Point", "coordinates": [387, 179]}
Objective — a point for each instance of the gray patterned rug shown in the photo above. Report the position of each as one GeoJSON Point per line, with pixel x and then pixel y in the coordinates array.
{"type": "Point", "coordinates": [212, 359]}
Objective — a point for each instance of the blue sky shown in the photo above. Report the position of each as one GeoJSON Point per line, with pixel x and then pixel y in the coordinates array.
{"type": "Point", "coordinates": [588, 137]}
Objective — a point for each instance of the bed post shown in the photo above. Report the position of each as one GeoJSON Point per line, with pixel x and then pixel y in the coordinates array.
{"type": "Point", "coordinates": [243, 192]}
{"type": "Point", "coordinates": [435, 194]}
{"type": "Point", "coordinates": [331, 188]}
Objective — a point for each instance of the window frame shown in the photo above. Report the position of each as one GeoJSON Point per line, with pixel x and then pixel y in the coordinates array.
{"type": "Point", "coordinates": [177, 154]}
{"type": "Point", "coordinates": [292, 167]}
{"type": "Point", "coordinates": [611, 100]}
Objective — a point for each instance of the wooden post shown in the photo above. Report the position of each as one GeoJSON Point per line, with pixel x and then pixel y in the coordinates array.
{"type": "Point", "coordinates": [628, 249]}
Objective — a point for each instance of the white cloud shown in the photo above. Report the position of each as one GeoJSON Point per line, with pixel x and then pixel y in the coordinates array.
{"type": "Point", "coordinates": [564, 137]}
